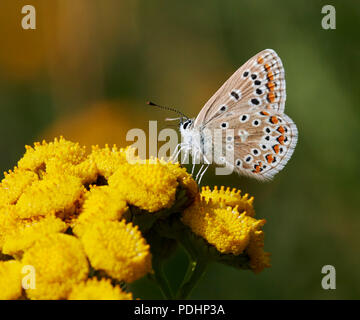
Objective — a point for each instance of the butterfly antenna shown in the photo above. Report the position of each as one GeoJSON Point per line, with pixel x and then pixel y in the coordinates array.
{"type": "Point", "coordinates": [166, 108]}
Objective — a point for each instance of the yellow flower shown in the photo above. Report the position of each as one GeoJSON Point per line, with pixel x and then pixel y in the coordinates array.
{"type": "Point", "coordinates": [228, 229]}
{"type": "Point", "coordinates": [224, 227]}
{"type": "Point", "coordinates": [8, 222]}
{"type": "Point", "coordinates": [94, 289]}
{"type": "Point", "coordinates": [23, 236]}
{"type": "Point", "coordinates": [85, 170]}
{"type": "Point", "coordinates": [230, 197]}
{"type": "Point", "coordinates": [14, 183]}
{"type": "Point", "coordinates": [56, 194]}
{"type": "Point", "coordinates": [148, 184]}
{"type": "Point", "coordinates": [60, 157]}
{"type": "Point", "coordinates": [101, 203]}
{"type": "Point", "coordinates": [10, 280]}
{"type": "Point", "coordinates": [259, 259]}
{"type": "Point", "coordinates": [184, 179]}
{"type": "Point", "coordinates": [61, 151]}
{"type": "Point", "coordinates": [107, 159]}
{"type": "Point", "coordinates": [60, 263]}
{"type": "Point", "coordinates": [117, 248]}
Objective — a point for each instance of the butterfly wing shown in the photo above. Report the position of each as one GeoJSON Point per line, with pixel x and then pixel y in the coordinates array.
{"type": "Point", "coordinates": [260, 83]}
{"type": "Point", "coordinates": [264, 141]}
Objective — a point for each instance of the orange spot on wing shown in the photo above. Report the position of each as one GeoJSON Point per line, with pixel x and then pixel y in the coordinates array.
{"type": "Point", "coordinates": [274, 120]}
{"type": "Point", "coordinates": [257, 168]}
{"type": "Point", "coordinates": [276, 148]}
{"type": "Point", "coordinates": [271, 97]}
{"type": "Point", "coordinates": [270, 76]}
{"type": "Point", "coordinates": [269, 158]}
{"type": "Point", "coordinates": [264, 113]}
{"type": "Point", "coordinates": [271, 85]}
{"type": "Point", "coordinates": [267, 67]}
{"type": "Point", "coordinates": [281, 139]}
{"type": "Point", "coordinates": [260, 60]}
{"type": "Point", "coordinates": [281, 129]}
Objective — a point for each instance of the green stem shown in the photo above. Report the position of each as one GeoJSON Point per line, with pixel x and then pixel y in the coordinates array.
{"type": "Point", "coordinates": [162, 282]}
{"type": "Point", "coordinates": [193, 275]}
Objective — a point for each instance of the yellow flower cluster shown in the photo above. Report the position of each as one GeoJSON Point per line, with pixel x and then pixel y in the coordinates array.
{"type": "Point", "coordinates": [224, 219]}
{"type": "Point", "coordinates": [127, 261]}
{"type": "Point", "coordinates": [94, 289]}
{"type": "Point", "coordinates": [102, 203]}
{"type": "Point", "coordinates": [59, 262]}
{"type": "Point", "coordinates": [66, 214]}
{"type": "Point", "coordinates": [157, 190]}
{"type": "Point", "coordinates": [231, 197]}
{"type": "Point", "coordinates": [63, 211]}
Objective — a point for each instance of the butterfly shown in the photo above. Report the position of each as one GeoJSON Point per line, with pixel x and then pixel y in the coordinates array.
{"type": "Point", "coordinates": [250, 104]}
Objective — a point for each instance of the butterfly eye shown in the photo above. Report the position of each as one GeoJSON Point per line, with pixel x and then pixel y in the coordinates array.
{"type": "Point", "coordinates": [255, 152]}
{"type": "Point", "coordinates": [258, 91]}
{"type": "Point", "coordinates": [248, 158]}
{"type": "Point", "coordinates": [238, 162]}
{"type": "Point", "coordinates": [186, 124]}
{"type": "Point", "coordinates": [263, 146]}
{"type": "Point", "coordinates": [244, 118]}
{"type": "Point", "coordinates": [224, 125]}
{"type": "Point", "coordinates": [229, 138]}
{"type": "Point", "coordinates": [256, 123]}
{"type": "Point", "coordinates": [245, 74]}
{"type": "Point", "coordinates": [253, 76]}
{"type": "Point", "coordinates": [257, 82]}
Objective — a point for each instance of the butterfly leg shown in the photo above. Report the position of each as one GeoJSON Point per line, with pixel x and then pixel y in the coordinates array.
{"type": "Point", "coordinates": [207, 166]}
{"type": "Point", "coordinates": [180, 147]}
{"type": "Point", "coordinates": [201, 174]}
{"type": "Point", "coordinates": [194, 160]}
{"type": "Point", "coordinates": [193, 168]}
{"type": "Point", "coordinates": [187, 152]}
{"type": "Point", "coordinates": [197, 176]}
{"type": "Point", "coordinates": [172, 157]}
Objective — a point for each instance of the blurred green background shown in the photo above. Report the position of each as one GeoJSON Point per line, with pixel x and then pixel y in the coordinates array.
{"type": "Point", "coordinates": [90, 65]}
